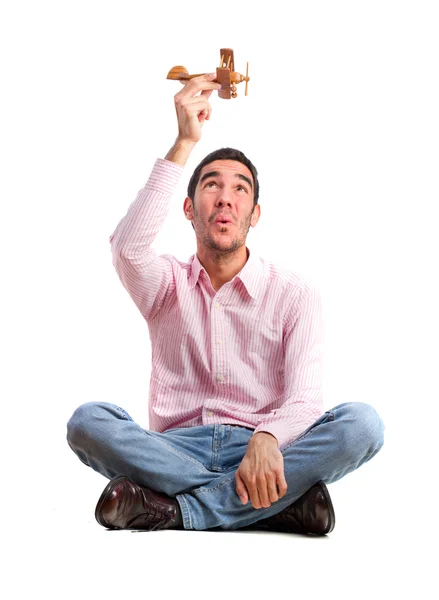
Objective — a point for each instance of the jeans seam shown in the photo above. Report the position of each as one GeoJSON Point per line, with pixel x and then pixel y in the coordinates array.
{"type": "Point", "coordinates": [184, 511]}
{"type": "Point", "coordinates": [199, 465]}
{"type": "Point", "coordinates": [217, 487]}
{"type": "Point", "coordinates": [330, 418]}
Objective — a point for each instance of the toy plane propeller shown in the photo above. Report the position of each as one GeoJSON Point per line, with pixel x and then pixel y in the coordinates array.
{"type": "Point", "coordinates": [225, 75]}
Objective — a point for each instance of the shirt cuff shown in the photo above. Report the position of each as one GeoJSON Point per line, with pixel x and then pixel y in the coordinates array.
{"type": "Point", "coordinates": [165, 176]}
{"type": "Point", "coordinates": [282, 434]}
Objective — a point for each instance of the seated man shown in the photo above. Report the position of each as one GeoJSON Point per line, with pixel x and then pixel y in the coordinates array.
{"type": "Point", "coordinates": [238, 435]}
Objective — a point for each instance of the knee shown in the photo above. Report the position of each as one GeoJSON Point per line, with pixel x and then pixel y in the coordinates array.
{"type": "Point", "coordinates": [83, 422]}
{"type": "Point", "coordinates": [367, 425]}
{"type": "Point", "coordinates": [362, 432]}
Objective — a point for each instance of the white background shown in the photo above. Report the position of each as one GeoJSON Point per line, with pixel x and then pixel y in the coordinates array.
{"type": "Point", "coordinates": [342, 123]}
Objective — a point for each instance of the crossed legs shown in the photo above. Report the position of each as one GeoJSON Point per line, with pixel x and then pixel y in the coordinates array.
{"type": "Point", "coordinates": [197, 465]}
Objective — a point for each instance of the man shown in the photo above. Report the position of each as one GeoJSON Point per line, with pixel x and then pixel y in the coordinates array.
{"type": "Point", "coordinates": [238, 435]}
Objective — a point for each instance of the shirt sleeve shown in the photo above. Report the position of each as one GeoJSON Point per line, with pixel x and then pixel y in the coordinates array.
{"type": "Point", "coordinates": [303, 372]}
{"type": "Point", "coordinates": [148, 278]}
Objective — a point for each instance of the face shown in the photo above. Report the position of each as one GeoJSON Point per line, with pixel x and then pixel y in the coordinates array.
{"type": "Point", "coordinates": [225, 191]}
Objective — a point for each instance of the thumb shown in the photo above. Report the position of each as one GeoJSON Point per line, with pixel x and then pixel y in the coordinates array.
{"type": "Point", "coordinates": [206, 93]}
{"type": "Point", "coordinates": [241, 490]}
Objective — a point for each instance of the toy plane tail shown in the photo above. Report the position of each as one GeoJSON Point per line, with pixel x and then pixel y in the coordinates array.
{"type": "Point", "coordinates": [177, 73]}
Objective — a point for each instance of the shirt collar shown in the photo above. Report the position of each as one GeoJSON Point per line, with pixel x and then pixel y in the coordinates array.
{"type": "Point", "coordinates": [249, 274]}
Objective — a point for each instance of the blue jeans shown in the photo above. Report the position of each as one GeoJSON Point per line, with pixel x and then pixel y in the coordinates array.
{"type": "Point", "coordinates": [197, 465]}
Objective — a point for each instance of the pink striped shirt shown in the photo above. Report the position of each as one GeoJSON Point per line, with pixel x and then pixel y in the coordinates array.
{"type": "Point", "coordinates": [249, 354]}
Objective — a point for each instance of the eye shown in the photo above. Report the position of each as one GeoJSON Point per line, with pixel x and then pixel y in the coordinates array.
{"type": "Point", "coordinates": [241, 188]}
{"type": "Point", "coordinates": [210, 184]}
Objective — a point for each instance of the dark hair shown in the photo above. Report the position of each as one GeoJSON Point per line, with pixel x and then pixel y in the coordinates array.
{"type": "Point", "coordinates": [224, 154]}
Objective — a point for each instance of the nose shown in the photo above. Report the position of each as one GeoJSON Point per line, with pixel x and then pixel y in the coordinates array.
{"type": "Point", "coordinates": [223, 199]}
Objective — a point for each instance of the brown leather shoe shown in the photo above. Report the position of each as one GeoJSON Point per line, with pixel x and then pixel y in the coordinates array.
{"type": "Point", "coordinates": [125, 505]}
{"type": "Point", "coordinates": [312, 513]}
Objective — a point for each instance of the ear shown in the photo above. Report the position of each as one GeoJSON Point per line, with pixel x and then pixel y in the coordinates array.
{"type": "Point", "coordinates": [187, 208]}
{"type": "Point", "coordinates": [255, 216]}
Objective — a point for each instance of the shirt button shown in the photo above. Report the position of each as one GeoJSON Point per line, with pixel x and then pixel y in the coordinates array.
{"type": "Point", "coordinates": [218, 341]}
{"type": "Point", "coordinates": [217, 304]}
{"type": "Point", "coordinates": [210, 413]}
{"type": "Point", "coordinates": [220, 378]}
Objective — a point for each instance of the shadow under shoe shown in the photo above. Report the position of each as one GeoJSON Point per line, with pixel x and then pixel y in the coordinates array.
{"type": "Point", "coordinates": [312, 513]}
{"type": "Point", "coordinates": [125, 505]}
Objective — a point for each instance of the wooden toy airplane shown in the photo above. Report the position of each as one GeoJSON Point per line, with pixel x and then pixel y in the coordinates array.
{"type": "Point", "coordinates": [225, 75]}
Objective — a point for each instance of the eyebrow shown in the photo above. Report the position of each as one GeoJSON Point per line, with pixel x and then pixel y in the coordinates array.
{"type": "Point", "coordinates": [218, 174]}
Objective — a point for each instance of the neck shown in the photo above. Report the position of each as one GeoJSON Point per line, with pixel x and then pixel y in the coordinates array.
{"type": "Point", "coordinates": [221, 267]}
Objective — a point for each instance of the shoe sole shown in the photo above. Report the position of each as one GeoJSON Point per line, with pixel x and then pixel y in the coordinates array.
{"type": "Point", "coordinates": [104, 497]}
{"type": "Point", "coordinates": [331, 523]}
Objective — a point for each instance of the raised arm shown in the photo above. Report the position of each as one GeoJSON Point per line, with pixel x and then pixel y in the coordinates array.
{"type": "Point", "coordinates": [193, 108]}
{"type": "Point", "coordinates": [148, 278]}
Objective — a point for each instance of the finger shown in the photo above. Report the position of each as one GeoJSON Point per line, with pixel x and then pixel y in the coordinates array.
{"type": "Point", "coordinates": [262, 486]}
{"type": "Point", "coordinates": [241, 490]}
{"type": "Point", "coordinates": [187, 93]}
{"type": "Point", "coordinates": [254, 494]}
{"type": "Point", "coordinates": [198, 84]}
{"type": "Point", "coordinates": [203, 114]}
{"type": "Point", "coordinates": [272, 490]}
{"type": "Point", "coordinates": [282, 485]}
{"type": "Point", "coordinates": [183, 102]}
{"type": "Point", "coordinates": [209, 77]}
{"type": "Point", "coordinates": [193, 105]}
{"type": "Point", "coordinates": [207, 94]}
{"type": "Point", "coordinates": [193, 108]}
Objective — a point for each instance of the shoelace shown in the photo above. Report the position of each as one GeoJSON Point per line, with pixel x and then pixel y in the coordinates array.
{"type": "Point", "coordinates": [155, 513]}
